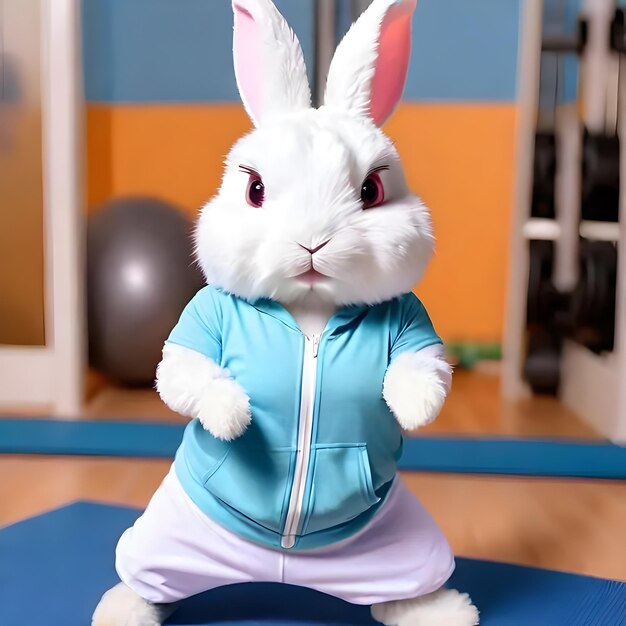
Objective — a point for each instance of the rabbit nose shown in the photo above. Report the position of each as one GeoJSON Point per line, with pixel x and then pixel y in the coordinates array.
{"type": "Point", "coordinates": [314, 250]}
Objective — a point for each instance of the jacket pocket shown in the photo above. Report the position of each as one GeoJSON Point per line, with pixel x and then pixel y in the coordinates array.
{"type": "Point", "coordinates": [253, 482]}
{"type": "Point", "coordinates": [342, 486]}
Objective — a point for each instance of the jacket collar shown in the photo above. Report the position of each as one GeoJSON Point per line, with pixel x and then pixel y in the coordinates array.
{"type": "Point", "coordinates": [341, 318]}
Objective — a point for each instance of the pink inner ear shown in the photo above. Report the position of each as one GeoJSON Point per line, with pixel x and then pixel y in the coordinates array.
{"type": "Point", "coordinates": [394, 49]}
{"type": "Point", "coordinates": [247, 51]}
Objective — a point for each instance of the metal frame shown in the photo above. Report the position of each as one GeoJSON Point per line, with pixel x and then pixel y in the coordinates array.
{"type": "Point", "coordinates": [529, 61]}
{"type": "Point", "coordinates": [51, 376]}
{"type": "Point", "coordinates": [595, 385]}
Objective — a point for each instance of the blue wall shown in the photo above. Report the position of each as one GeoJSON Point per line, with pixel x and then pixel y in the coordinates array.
{"type": "Point", "coordinates": [464, 50]}
{"type": "Point", "coordinates": [180, 50]}
{"type": "Point", "coordinates": [170, 50]}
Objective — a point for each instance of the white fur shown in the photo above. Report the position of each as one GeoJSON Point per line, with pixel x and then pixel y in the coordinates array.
{"type": "Point", "coordinates": [312, 314]}
{"type": "Point", "coordinates": [352, 69]}
{"type": "Point", "coordinates": [416, 385]}
{"type": "Point", "coordinates": [445, 607]}
{"type": "Point", "coordinates": [121, 606]}
{"type": "Point", "coordinates": [313, 163]}
{"type": "Point", "coordinates": [195, 386]}
{"type": "Point", "coordinates": [279, 62]}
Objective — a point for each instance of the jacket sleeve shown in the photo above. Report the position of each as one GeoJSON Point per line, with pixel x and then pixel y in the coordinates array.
{"type": "Point", "coordinates": [413, 328]}
{"type": "Point", "coordinates": [199, 326]}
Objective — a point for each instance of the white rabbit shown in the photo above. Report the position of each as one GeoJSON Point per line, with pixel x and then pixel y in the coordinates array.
{"type": "Point", "coordinates": [302, 350]}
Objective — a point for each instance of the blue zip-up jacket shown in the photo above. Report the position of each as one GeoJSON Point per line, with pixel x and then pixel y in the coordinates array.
{"type": "Point", "coordinates": [321, 452]}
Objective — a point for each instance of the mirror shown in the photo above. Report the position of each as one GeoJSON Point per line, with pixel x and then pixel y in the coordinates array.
{"type": "Point", "coordinates": [21, 190]}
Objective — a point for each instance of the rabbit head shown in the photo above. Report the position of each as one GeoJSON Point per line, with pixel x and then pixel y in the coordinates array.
{"type": "Point", "coordinates": [315, 199]}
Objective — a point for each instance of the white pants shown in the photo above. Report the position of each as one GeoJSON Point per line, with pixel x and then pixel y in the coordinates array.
{"type": "Point", "coordinates": [174, 551]}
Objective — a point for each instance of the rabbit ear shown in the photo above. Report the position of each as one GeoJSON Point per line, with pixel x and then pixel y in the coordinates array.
{"type": "Point", "coordinates": [368, 72]}
{"type": "Point", "coordinates": [269, 64]}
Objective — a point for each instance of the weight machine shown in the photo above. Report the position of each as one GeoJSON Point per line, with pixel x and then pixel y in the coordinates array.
{"type": "Point", "coordinates": [566, 309]}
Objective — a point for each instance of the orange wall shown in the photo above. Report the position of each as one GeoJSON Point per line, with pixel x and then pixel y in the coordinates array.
{"type": "Point", "coordinates": [458, 157]}
{"type": "Point", "coordinates": [174, 152]}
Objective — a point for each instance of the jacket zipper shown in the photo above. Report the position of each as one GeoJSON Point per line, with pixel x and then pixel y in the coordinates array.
{"type": "Point", "coordinates": [305, 433]}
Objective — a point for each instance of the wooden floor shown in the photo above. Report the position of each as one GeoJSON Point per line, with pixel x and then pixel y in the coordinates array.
{"type": "Point", "coordinates": [570, 525]}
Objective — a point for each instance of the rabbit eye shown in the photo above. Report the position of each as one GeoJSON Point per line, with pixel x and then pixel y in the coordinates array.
{"type": "Point", "coordinates": [255, 194]}
{"type": "Point", "coordinates": [372, 191]}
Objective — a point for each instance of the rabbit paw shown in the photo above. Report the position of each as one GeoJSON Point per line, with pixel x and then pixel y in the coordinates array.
{"type": "Point", "coordinates": [121, 606]}
{"type": "Point", "coordinates": [224, 409]}
{"type": "Point", "coordinates": [415, 388]}
{"type": "Point", "coordinates": [445, 607]}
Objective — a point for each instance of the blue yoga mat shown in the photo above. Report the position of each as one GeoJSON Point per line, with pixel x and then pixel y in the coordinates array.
{"type": "Point", "coordinates": [55, 567]}
{"type": "Point", "coordinates": [468, 455]}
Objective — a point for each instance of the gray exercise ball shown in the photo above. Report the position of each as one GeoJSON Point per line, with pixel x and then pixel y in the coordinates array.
{"type": "Point", "coordinates": [140, 276]}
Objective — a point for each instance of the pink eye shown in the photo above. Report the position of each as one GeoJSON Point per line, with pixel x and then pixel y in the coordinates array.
{"type": "Point", "coordinates": [372, 191]}
{"type": "Point", "coordinates": [255, 193]}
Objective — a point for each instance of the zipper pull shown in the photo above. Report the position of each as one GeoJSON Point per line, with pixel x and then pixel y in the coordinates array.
{"type": "Point", "coordinates": [316, 345]}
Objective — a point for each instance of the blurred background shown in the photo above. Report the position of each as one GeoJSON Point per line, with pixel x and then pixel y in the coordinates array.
{"type": "Point", "coordinates": [115, 118]}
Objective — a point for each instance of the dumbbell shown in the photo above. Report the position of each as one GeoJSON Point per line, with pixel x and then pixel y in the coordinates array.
{"type": "Point", "coordinates": [544, 173]}
{"type": "Point", "coordinates": [600, 177]}
{"type": "Point", "coordinates": [543, 351]}
{"type": "Point", "coordinates": [592, 302]}
{"type": "Point", "coordinates": [542, 368]}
